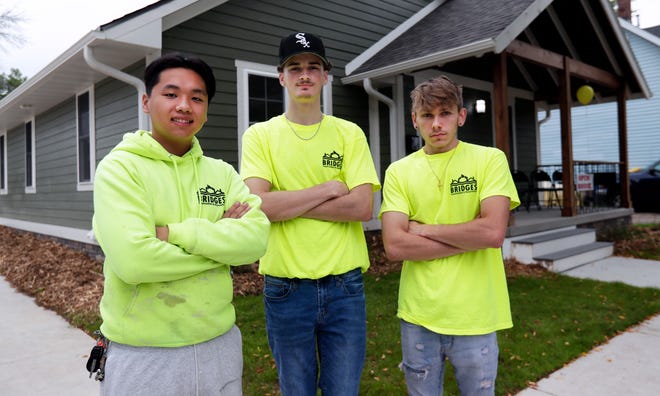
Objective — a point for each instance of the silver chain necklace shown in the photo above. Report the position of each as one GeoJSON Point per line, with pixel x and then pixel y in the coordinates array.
{"type": "Point", "coordinates": [300, 137]}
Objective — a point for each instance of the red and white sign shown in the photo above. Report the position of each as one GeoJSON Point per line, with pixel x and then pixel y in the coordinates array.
{"type": "Point", "coordinates": [584, 182]}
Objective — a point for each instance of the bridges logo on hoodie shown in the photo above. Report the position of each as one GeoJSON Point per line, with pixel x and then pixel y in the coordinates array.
{"type": "Point", "coordinates": [210, 196]}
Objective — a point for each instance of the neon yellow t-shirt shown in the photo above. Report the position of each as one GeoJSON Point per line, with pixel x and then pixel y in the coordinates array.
{"type": "Point", "coordinates": [464, 294]}
{"type": "Point", "coordinates": [308, 248]}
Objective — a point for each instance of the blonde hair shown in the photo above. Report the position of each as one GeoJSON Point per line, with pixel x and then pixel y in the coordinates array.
{"type": "Point", "coordinates": [438, 91]}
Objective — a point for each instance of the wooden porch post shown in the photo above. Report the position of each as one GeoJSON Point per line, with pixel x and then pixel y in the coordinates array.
{"type": "Point", "coordinates": [623, 147]}
{"type": "Point", "coordinates": [501, 106]}
{"type": "Point", "coordinates": [568, 179]}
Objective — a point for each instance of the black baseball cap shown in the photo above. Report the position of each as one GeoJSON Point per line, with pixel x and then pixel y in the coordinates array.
{"type": "Point", "coordinates": [302, 43]}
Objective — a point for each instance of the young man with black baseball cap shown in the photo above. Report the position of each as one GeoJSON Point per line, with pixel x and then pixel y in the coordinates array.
{"type": "Point", "coordinates": [316, 177]}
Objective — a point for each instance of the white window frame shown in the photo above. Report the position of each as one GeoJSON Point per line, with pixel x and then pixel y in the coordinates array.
{"type": "Point", "coordinates": [33, 188]}
{"type": "Point", "coordinates": [243, 71]}
{"type": "Point", "coordinates": [4, 189]}
{"type": "Point", "coordinates": [87, 185]}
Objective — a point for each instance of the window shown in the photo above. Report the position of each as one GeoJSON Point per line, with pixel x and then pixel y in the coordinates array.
{"type": "Point", "coordinates": [30, 160]}
{"type": "Point", "coordinates": [260, 95]}
{"type": "Point", "coordinates": [265, 98]}
{"type": "Point", "coordinates": [3, 162]}
{"type": "Point", "coordinates": [86, 147]}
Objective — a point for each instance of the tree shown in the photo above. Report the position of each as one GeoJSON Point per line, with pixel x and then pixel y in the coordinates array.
{"type": "Point", "coordinates": [9, 82]}
{"type": "Point", "coordinates": [8, 22]}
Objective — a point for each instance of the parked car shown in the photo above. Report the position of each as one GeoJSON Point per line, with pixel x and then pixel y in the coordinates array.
{"type": "Point", "coordinates": [645, 189]}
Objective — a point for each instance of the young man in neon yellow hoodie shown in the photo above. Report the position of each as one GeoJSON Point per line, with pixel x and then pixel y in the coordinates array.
{"type": "Point", "coordinates": [171, 222]}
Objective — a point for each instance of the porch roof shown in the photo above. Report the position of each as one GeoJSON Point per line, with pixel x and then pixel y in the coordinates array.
{"type": "Point", "coordinates": [463, 37]}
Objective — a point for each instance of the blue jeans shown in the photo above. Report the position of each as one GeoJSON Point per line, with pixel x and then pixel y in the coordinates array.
{"type": "Point", "coordinates": [474, 359]}
{"type": "Point", "coordinates": [317, 325]}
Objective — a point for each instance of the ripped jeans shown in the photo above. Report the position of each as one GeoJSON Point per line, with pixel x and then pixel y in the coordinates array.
{"type": "Point", "coordinates": [474, 359]}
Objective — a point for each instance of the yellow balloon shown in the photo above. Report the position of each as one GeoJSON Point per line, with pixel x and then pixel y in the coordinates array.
{"type": "Point", "coordinates": [585, 94]}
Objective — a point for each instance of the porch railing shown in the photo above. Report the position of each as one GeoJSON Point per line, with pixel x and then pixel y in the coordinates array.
{"type": "Point", "coordinates": [597, 184]}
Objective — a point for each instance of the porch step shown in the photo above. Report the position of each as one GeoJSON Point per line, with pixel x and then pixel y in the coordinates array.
{"type": "Point", "coordinates": [561, 250]}
{"type": "Point", "coordinates": [527, 248]}
{"type": "Point", "coordinates": [567, 259]}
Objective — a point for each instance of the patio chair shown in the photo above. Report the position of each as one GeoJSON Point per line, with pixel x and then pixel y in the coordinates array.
{"type": "Point", "coordinates": [540, 183]}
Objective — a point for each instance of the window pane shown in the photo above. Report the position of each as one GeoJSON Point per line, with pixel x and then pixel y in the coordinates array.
{"type": "Point", "coordinates": [83, 114]}
{"type": "Point", "coordinates": [3, 182]}
{"type": "Point", "coordinates": [274, 89]}
{"type": "Point", "coordinates": [28, 154]}
{"type": "Point", "coordinates": [274, 109]}
{"type": "Point", "coordinates": [257, 111]}
{"type": "Point", "coordinates": [256, 86]}
{"type": "Point", "coordinates": [84, 161]}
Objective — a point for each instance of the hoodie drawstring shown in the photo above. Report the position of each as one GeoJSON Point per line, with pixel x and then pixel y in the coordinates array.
{"type": "Point", "coordinates": [199, 206]}
{"type": "Point", "coordinates": [178, 187]}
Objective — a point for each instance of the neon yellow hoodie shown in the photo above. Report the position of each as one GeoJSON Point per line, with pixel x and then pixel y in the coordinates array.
{"type": "Point", "coordinates": [174, 293]}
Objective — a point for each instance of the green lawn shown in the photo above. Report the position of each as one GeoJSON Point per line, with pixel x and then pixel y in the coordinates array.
{"type": "Point", "coordinates": [556, 319]}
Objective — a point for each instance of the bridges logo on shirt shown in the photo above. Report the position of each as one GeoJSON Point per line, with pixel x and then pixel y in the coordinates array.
{"type": "Point", "coordinates": [333, 160]}
{"type": "Point", "coordinates": [463, 185]}
{"type": "Point", "coordinates": [210, 196]}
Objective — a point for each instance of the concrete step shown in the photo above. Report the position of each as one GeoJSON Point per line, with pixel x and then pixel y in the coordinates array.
{"type": "Point", "coordinates": [564, 260]}
{"type": "Point", "coordinates": [525, 249]}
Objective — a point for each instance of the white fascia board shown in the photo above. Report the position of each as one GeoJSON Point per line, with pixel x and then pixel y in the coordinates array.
{"type": "Point", "coordinates": [477, 48]}
{"type": "Point", "coordinates": [57, 62]}
{"type": "Point", "coordinates": [520, 24]}
{"type": "Point", "coordinates": [391, 36]}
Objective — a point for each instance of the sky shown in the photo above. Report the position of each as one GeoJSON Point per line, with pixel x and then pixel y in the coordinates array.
{"type": "Point", "coordinates": [50, 27]}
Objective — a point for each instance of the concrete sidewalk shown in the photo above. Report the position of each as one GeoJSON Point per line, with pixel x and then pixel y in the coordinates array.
{"type": "Point", "coordinates": [40, 353]}
{"type": "Point", "coordinates": [626, 365]}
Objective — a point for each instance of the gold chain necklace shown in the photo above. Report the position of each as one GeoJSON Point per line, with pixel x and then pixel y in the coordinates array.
{"type": "Point", "coordinates": [300, 137]}
{"type": "Point", "coordinates": [444, 172]}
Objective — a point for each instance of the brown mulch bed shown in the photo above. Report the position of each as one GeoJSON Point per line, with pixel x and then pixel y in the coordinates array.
{"type": "Point", "coordinates": [70, 282]}
{"type": "Point", "coordinates": [59, 278]}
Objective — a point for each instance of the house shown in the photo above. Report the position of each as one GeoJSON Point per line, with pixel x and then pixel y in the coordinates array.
{"type": "Point", "coordinates": [594, 125]}
{"type": "Point", "coordinates": [513, 56]}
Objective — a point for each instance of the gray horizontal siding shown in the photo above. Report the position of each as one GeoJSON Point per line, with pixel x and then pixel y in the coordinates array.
{"type": "Point", "coordinates": [116, 110]}
{"type": "Point", "coordinates": [250, 30]}
{"type": "Point", "coordinates": [56, 200]}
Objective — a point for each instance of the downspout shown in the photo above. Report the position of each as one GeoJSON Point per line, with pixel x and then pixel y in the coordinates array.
{"type": "Point", "coordinates": [143, 120]}
{"type": "Point", "coordinates": [394, 143]}
{"type": "Point", "coordinates": [546, 118]}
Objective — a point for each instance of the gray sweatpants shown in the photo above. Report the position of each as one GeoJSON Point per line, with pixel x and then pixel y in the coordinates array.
{"type": "Point", "coordinates": [214, 367]}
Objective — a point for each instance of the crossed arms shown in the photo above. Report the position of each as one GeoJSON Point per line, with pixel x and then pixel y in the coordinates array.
{"type": "Point", "coordinates": [330, 201]}
{"type": "Point", "coordinates": [409, 240]}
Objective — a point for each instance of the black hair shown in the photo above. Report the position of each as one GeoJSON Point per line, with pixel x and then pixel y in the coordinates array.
{"type": "Point", "coordinates": [175, 60]}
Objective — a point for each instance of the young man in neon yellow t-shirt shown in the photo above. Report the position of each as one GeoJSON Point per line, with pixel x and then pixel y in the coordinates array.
{"type": "Point", "coordinates": [445, 212]}
{"type": "Point", "coordinates": [316, 177]}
